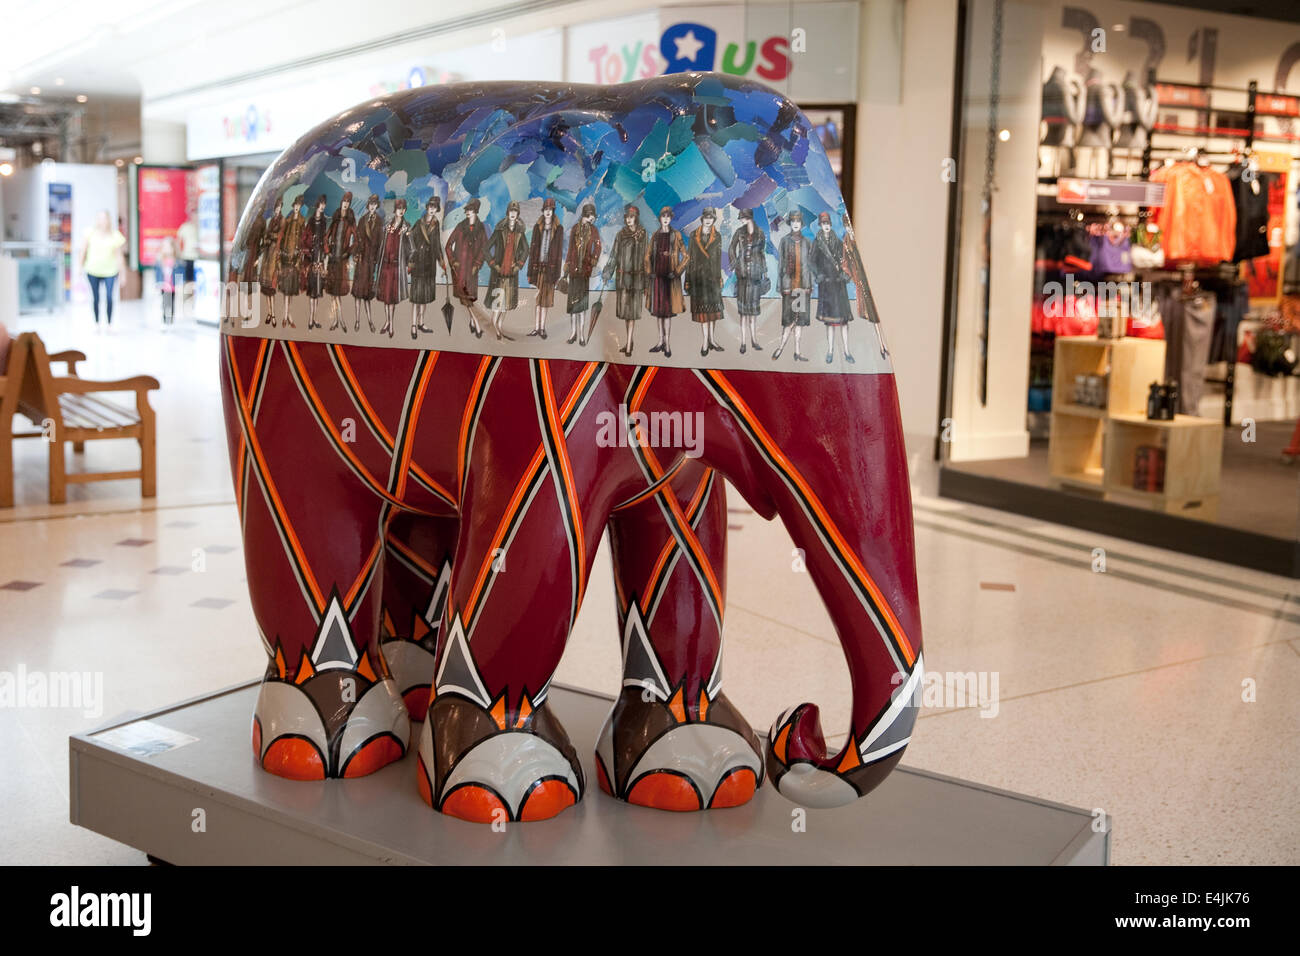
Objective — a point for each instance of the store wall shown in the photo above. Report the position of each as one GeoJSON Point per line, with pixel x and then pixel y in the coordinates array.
{"type": "Point", "coordinates": [995, 427]}
{"type": "Point", "coordinates": [163, 142]}
{"type": "Point", "coordinates": [901, 201]}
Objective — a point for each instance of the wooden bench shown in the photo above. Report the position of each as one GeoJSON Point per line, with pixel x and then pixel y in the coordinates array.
{"type": "Point", "coordinates": [71, 410]}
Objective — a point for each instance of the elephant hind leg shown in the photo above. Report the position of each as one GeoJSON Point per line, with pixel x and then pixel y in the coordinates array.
{"type": "Point", "coordinates": [673, 740]}
{"type": "Point", "coordinates": [328, 706]}
{"type": "Point", "coordinates": [417, 578]}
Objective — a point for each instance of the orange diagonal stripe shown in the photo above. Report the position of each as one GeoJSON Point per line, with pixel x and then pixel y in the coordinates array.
{"type": "Point", "coordinates": [566, 472]}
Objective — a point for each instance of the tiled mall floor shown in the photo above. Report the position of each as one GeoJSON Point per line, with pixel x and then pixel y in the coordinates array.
{"type": "Point", "coordinates": [1121, 690]}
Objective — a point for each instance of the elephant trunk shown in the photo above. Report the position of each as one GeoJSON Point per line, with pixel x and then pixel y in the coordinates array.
{"type": "Point", "coordinates": [831, 451]}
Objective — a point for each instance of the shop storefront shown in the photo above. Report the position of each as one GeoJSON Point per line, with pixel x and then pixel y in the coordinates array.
{"type": "Point", "coordinates": [1124, 297]}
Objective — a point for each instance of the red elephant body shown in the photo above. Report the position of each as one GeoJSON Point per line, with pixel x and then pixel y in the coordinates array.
{"type": "Point", "coordinates": [420, 521]}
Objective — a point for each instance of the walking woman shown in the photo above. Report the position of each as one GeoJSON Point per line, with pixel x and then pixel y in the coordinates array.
{"type": "Point", "coordinates": [579, 264]}
{"type": "Point", "coordinates": [425, 252]}
{"type": "Point", "coordinates": [749, 260]}
{"type": "Point", "coordinates": [365, 258]}
{"type": "Point", "coordinates": [289, 279]}
{"type": "Point", "coordinates": [507, 254]}
{"type": "Point", "coordinates": [269, 260]}
{"type": "Point", "coordinates": [545, 260]}
{"type": "Point", "coordinates": [101, 260]}
{"type": "Point", "coordinates": [664, 292]}
{"type": "Point", "coordinates": [315, 254]}
{"type": "Point", "coordinates": [627, 265]}
{"type": "Point", "coordinates": [704, 278]}
{"type": "Point", "coordinates": [833, 309]}
{"type": "Point", "coordinates": [393, 265]}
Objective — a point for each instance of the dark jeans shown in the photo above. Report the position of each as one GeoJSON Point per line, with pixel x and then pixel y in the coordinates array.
{"type": "Point", "coordinates": [168, 306]}
{"type": "Point", "coordinates": [107, 282]}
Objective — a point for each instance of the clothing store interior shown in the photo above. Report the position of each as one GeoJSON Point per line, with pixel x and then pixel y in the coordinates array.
{"type": "Point", "coordinates": [1160, 400]}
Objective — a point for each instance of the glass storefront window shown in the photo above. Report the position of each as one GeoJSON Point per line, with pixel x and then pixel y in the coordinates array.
{"type": "Point", "coordinates": [1126, 312]}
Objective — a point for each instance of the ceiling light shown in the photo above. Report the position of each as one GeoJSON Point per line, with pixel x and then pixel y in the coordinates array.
{"type": "Point", "coordinates": [6, 169]}
{"type": "Point", "coordinates": [36, 91]}
{"type": "Point", "coordinates": [138, 160]}
{"type": "Point", "coordinates": [119, 162]}
{"type": "Point", "coordinates": [58, 81]}
{"type": "Point", "coordinates": [1004, 134]}
{"type": "Point", "coordinates": [82, 97]}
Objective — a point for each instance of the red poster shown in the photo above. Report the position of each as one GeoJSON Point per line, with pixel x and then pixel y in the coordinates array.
{"type": "Point", "coordinates": [229, 210]}
{"type": "Point", "coordinates": [164, 200]}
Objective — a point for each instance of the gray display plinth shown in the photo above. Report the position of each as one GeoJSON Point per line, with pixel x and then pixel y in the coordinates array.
{"type": "Point", "coordinates": [212, 785]}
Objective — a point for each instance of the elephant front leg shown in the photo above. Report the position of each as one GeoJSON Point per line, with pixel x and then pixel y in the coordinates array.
{"type": "Point", "coordinates": [491, 750]}
{"type": "Point", "coordinates": [673, 740]}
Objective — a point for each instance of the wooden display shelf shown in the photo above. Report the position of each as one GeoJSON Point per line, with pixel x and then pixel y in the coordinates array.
{"type": "Point", "coordinates": [1072, 408]}
{"type": "Point", "coordinates": [1094, 449]}
{"type": "Point", "coordinates": [1193, 450]}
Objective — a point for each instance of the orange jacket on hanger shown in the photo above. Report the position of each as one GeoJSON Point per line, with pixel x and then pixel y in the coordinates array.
{"type": "Point", "coordinates": [1198, 221]}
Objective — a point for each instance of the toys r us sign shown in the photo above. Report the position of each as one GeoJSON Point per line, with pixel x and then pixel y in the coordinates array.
{"type": "Point", "coordinates": [812, 55]}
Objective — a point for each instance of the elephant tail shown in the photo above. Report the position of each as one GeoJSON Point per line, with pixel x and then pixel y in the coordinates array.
{"type": "Point", "coordinates": [803, 771]}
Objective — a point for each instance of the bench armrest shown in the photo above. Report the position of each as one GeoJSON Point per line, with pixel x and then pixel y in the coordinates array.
{"type": "Point", "coordinates": [69, 357]}
{"type": "Point", "coordinates": [137, 383]}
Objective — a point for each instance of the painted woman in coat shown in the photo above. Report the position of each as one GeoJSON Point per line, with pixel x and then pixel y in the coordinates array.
{"type": "Point", "coordinates": [315, 251]}
{"type": "Point", "coordinates": [628, 265]}
{"type": "Point", "coordinates": [394, 254]}
{"type": "Point", "coordinates": [579, 264]}
{"type": "Point", "coordinates": [545, 259]}
{"type": "Point", "coordinates": [466, 250]}
{"type": "Point", "coordinates": [268, 265]}
{"type": "Point", "coordinates": [252, 249]}
{"type": "Point", "coordinates": [704, 277]}
{"type": "Point", "coordinates": [290, 276]}
{"type": "Point", "coordinates": [856, 272]}
{"type": "Point", "coordinates": [796, 275]}
{"type": "Point", "coordinates": [258, 258]}
{"type": "Point", "coordinates": [833, 308]}
{"type": "Point", "coordinates": [748, 254]}
{"type": "Point", "coordinates": [426, 253]}
{"type": "Point", "coordinates": [339, 242]}
{"type": "Point", "coordinates": [507, 254]}
{"type": "Point", "coordinates": [365, 260]}
{"type": "Point", "coordinates": [667, 263]}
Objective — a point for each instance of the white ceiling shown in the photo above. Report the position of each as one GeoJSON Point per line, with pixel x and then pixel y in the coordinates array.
{"type": "Point", "coordinates": [153, 47]}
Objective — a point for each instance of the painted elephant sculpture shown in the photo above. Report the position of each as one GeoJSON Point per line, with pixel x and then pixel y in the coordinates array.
{"type": "Point", "coordinates": [420, 516]}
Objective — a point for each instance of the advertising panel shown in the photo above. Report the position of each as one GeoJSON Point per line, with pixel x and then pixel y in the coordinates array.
{"type": "Point", "coordinates": [163, 193]}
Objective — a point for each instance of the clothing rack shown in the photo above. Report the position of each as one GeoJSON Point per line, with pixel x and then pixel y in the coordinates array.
{"type": "Point", "coordinates": [1191, 277]}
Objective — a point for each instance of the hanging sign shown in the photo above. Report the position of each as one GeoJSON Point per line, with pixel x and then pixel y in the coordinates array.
{"type": "Point", "coordinates": [1110, 192]}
